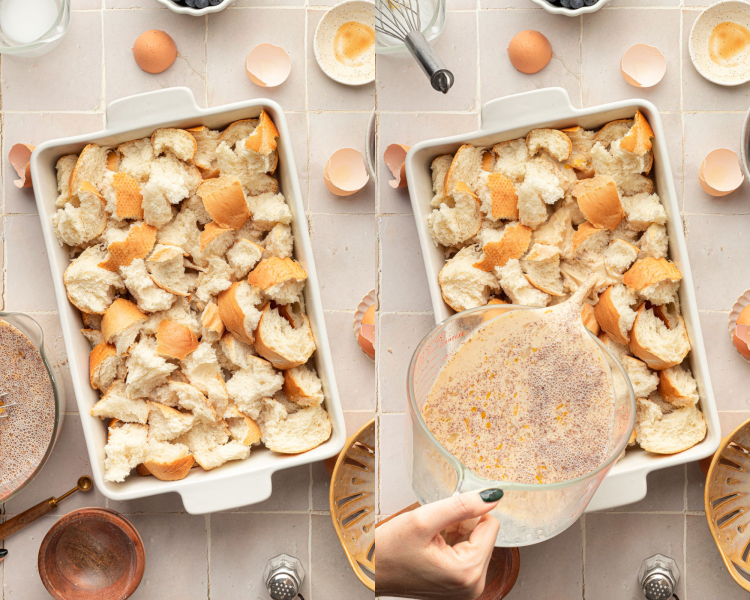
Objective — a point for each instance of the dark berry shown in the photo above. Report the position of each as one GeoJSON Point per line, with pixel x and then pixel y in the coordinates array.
{"type": "Point", "coordinates": [565, 3]}
{"type": "Point", "coordinates": [190, 3]}
{"type": "Point", "coordinates": [215, 2]}
{"type": "Point", "coordinates": [576, 4]}
{"type": "Point", "coordinates": [590, 2]}
{"type": "Point", "coordinates": [201, 3]}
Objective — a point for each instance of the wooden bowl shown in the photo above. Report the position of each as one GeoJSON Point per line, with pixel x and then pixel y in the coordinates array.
{"type": "Point", "coordinates": [92, 554]}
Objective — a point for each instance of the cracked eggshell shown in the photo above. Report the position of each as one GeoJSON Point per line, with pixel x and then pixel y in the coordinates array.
{"type": "Point", "coordinates": [19, 156]}
{"type": "Point", "coordinates": [268, 65]}
{"type": "Point", "coordinates": [394, 156]}
{"type": "Point", "coordinates": [739, 325]}
{"type": "Point", "coordinates": [364, 324]}
{"type": "Point", "coordinates": [720, 172]}
{"type": "Point", "coordinates": [345, 172]}
{"type": "Point", "coordinates": [643, 66]}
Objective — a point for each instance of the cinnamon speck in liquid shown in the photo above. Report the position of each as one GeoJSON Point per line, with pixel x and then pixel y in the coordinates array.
{"type": "Point", "coordinates": [527, 398]}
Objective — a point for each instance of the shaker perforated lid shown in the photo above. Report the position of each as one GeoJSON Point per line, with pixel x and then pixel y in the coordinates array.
{"type": "Point", "coordinates": [658, 577]}
{"type": "Point", "coordinates": [283, 576]}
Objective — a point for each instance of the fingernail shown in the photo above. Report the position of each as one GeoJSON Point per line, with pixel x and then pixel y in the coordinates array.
{"type": "Point", "coordinates": [492, 495]}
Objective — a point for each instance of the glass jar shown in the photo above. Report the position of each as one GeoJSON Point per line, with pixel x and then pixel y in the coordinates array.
{"type": "Point", "coordinates": [528, 513]}
{"type": "Point", "coordinates": [30, 28]}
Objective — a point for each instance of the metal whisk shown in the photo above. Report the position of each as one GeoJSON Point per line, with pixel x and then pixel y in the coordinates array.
{"type": "Point", "coordinates": [400, 19]}
{"type": "Point", "coordinates": [4, 405]}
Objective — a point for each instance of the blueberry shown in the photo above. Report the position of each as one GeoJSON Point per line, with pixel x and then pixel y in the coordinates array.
{"type": "Point", "coordinates": [576, 4]}
{"type": "Point", "coordinates": [201, 3]}
{"type": "Point", "coordinates": [590, 2]}
{"type": "Point", "coordinates": [565, 3]}
{"type": "Point", "coordinates": [215, 2]}
{"type": "Point", "coordinates": [190, 3]}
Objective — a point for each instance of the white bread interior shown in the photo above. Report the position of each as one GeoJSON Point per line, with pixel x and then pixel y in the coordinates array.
{"type": "Point", "coordinates": [279, 242]}
{"type": "Point", "coordinates": [517, 286]}
{"type": "Point", "coordinates": [116, 404]}
{"type": "Point", "coordinates": [655, 344]}
{"type": "Point", "coordinates": [439, 169]}
{"type": "Point", "coordinates": [670, 432]}
{"type": "Point", "coordinates": [217, 456]}
{"type": "Point", "coordinates": [299, 432]}
{"type": "Point", "coordinates": [165, 423]}
{"type": "Point", "coordinates": [554, 141]}
{"type": "Point", "coordinates": [202, 369]}
{"type": "Point", "coordinates": [451, 225]}
{"type": "Point", "coordinates": [244, 255]}
{"type": "Point", "coordinates": [136, 157]}
{"type": "Point", "coordinates": [654, 242]}
{"type": "Point", "coordinates": [177, 141]}
{"type": "Point", "coordinates": [463, 286]}
{"type": "Point", "coordinates": [643, 210]}
{"type": "Point", "coordinates": [542, 269]}
{"type": "Point", "coordinates": [465, 167]}
{"type": "Point", "coordinates": [167, 462]}
{"type": "Point", "coordinates": [282, 344]}
{"type": "Point", "coordinates": [302, 385]}
{"type": "Point", "coordinates": [149, 297]}
{"type": "Point", "coordinates": [90, 288]}
{"type": "Point", "coordinates": [614, 313]}
{"type": "Point", "coordinates": [620, 255]}
{"type": "Point", "coordinates": [146, 369]}
{"type": "Point", "coordinates": [82, 219]}
{"type": "Point", "coordinates": [255, 380]}
{"type": "Point", "coordinates": [677, 386]}
{"type": "Point", "coordinates": [125, 449]}
{"type": "Point", "coordinates": [90, 167]}
{"type": "Point", "coordinates": [643, 379]}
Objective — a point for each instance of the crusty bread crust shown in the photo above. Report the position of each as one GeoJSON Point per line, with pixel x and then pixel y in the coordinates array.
{"type": "Point", "coordinates": [599, 201]}
{"type": "Point", "coordinates": [513, 244]}
{"type": "Point", "coordinates": [584, 232]}
{"type": "Point", "coordinates": [638, 139]}
{"type": "Point", "coordinates": [225, 201]}
{"type": "Point", "coordinates": [608, 317]}
{"type": "Point", "coordinates": [263, 139]}
{"type": "Point", "coordinates": [504, 197]}
{"type": "Point", "coordinates": [537, 139]}
{"type": "Point", "coordinates": [231, 314]}
{"type": "Point", "coordinates": [588, 316]}
{"type": "Point", "coordinates": [98, 355]}
{"type": "Point", "coordinates": [648, 271]}
{"type": "Point", "coordinates": [128, 195]}
{"type": "Point", "coordinates": [641, 350]}
{"type": "Point", "coordinates": [273, 271]}
{"type": "Point", "coordinates": [175, 340]}
{"type": "Point", "coordinates": [119, 316]}
{"type": "Point", "coordinates": [210, 232]}
{"type": "Point", "coordinates": [273, 355]}
{"type": "Point", "coordinates": [138, 244]}
{"type": "Point", "coordinates": [171, 471]}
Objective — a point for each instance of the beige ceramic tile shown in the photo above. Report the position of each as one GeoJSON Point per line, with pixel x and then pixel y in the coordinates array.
{"type": "Point", "coordinates": [404, 279]}
{"type": "Point", "coordinates": [332, 577]}
{"type": "Point", "coordinates": [20, 567]}
{"type": "Point", "coordinates": [323, 93]}
{"type": "Point", "coordinates": [124, 77]}
{"type": "Point", "coordinates": [561, 561]}
{"type": "Point", "coordinates": [665, 491]}
{"type": "Point", "coordinates": [403, 86]}
{"type": "Point", "coordinates": [232, 33]}
{"type": "Point", "coordinates": [70, 78]}
{"type": "Point", "coordinates": [706, 576]}
{"type": "Point", "coordinates": [672, 124]}
{"type": "Point", "coordinates": [729, 421]}
{"type": "Point", "coordinates": [616, 544]}
{"type": "Point", "coordinates": [642, 3]}
{"type": "Point", "coordinates": [53, 340]}
{"type": "Point", "coordinates": [37, 128]}
{"type": "Point", "coordinates": [617, 30]}
{"type": "Point", "coordinates": [237, 559]}
{"type": "Point", "coordinates": [729, 371]}
{"type": "Point", "coordinates": [161, 503]}
{"type": "Point", "coordinates": [172, 540]}
{"type": "Point", "coordinates": [297, 123]}
{"type": "Point", "coordinates": [717, 246]}
{"type": "Point", "coordinates": [28, 278]}
{"type": "Point", "coordinates": [321, 478]}
{"type": "Point", "coordinates": [499, 77]}
{"type": "Point", "coordinates": [268, 3]}
{"type": "Point", "coordinates": [696, 486]}
{"type": "Point", "coordinates": [291, 492]}
{"type": "Point", "coordinates": [345, 251]}
{"type": "Point", "coordinates": [395, 487]}
{"type": "Point", "coordinates": [355, 372]}
{"type": "Point", "coordinates": [708, 132]}
{"type": "Point", "coordinates": [86, 4]}
{"type": "Point", "coordinates": [410, 129]}
{"type": "Point", "coordinates": [330, 132]}
{"type": "Point", "coordinates": [134, 4]}
{"type": "Point", "coordinates": [527, 4]}
{"type": "Point", "coordinates": [699, 93]}
{"type": "Point", "coordinates": [400, 335]}
{"type": "Point", "coordinates": [68, 462]}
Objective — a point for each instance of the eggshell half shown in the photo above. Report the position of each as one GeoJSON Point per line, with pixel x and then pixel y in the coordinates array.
{"type": "Point", "coordinates": [739, 325]}
{"type": "Point", "coordinates": [345, 172]}
{"type": "Point", "coordinates": [529, 51]}
{"type": "Point", "coordinates": [268, 65]}
{"type": "Point", "coordinates": [720, 172]}
{"type": "Point", "coordinates": [154, 51]}
{"type": "Point", "coordinates": [643, 65]}
{"type": "Point", "coordinates": [19, 156]}
{"type": "Point", "coordinates": [394, 156]}
{"type": "Point", "coordinates": [364, 323]}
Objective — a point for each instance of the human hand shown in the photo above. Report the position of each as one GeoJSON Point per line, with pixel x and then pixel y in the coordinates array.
{"type": "Point", "coordinates": [414, 560]}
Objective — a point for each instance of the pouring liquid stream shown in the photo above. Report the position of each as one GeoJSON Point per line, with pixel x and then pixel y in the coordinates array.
{"type": "Point", "coordinates": [526, 398]}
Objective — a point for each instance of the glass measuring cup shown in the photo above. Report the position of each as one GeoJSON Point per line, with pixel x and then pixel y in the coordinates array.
{"type": "Point", "coordinates": [33, 331]}
{"type": "Point", "coordinates": [432, 17]}
{"type": "Point", "coordinates": [31, 28]}
{"type": "Point", "coordinates": [528, 513]}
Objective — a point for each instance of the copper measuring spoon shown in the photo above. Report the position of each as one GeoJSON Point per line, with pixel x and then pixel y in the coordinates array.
{"type": "Point", "coordinates": [27, 517]}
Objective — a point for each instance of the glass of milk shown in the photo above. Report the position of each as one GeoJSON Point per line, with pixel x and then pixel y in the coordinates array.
{"type": "Point", "coordinates": [32, 27]}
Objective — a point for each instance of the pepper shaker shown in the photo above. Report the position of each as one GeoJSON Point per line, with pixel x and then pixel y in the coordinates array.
{"type": "Point", "coordinates": [284, 576]}
{"type": "Point", "coordinates": [658, 577]}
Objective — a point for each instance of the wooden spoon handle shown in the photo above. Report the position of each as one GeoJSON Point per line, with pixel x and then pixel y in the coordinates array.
{"type": "Point", "coordinates": [27, 517]}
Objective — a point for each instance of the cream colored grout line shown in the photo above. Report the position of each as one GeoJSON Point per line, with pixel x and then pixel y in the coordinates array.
{"type": "Point", "coordinates": [208, 556]}
{"type": "Point", "coordinates": [583, 556]}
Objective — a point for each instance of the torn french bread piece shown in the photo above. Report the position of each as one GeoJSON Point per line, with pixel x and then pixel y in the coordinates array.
{"type": "Point", "coordinates": [82, 219]}
{"type": "Point", "coordinates": [302, 385]}
{"type": "Point", "coordinates": [90, 288]}
{"type": "Point", "coordinates": [541, 266]}
{"type": "Point", "coordinates": [125, 449]}
{"type": "Point", "coordinates": [104, 365]}
{"type": "Point", "coordinates": [463, 286]}
{"type": "Point", "coordinates": [177, 141]}
{"type": "Point", "coordinates": [664, 431]}
{"type": "Point", "coordinates": [116, 404]}
{"type": "Point", "coordinates": [655, 344]}
{"type": "Point", "coordinates": [654, 279]}
{"type": "Point", "coordinates": [280, 279]}
{"type": "Point", "coordinates": [167, 461]}
{"type": "Point", "coordinates": [166, 423]}
{"type": "Point", "coordinates": [299, 432]}
{"type": "Point", "coordinates": [146, 369]}
{"type": "Point", "coordinates": [121, 324]}
{"type": "Point", "coordinates": [281, 343]}
{"type": "Point", "coordinates": [614, 312]}
{"type": "Point", "coordinates": [677, 386]}
{"type": "Point", "coordinates": [452, 225]}
{"type": "Point", "coordinates": [239, 309]}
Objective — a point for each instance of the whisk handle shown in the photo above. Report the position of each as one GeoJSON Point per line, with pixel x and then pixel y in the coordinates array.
{"type": "Point", "coordinates": [440, 77]}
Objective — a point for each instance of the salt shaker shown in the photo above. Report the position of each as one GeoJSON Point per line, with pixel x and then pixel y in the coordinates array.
{"type": "Point", "coordinates": [658, 577]}
{"type": "Point", "coordinates": [283, 576]}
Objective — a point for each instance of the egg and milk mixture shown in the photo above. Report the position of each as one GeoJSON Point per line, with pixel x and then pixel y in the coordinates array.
{"type": "Point", "coordinates": [527, 398]}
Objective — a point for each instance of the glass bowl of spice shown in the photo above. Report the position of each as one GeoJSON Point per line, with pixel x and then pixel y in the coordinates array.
{"type": "Point", "coordinates": [32, 402]}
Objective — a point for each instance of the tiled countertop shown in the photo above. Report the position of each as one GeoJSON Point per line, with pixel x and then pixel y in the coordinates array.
{"type": "Point", "coordinates": [367, 241]}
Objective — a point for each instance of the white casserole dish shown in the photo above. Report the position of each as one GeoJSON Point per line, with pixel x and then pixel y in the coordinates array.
{"type": "Point", "coordinates": [237, 483]}
{"type": "Point", "coordinates": [513, 117]}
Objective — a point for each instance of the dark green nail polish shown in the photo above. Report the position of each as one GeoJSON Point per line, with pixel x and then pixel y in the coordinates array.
{"type": "Point", "coordinates": [492, 495]}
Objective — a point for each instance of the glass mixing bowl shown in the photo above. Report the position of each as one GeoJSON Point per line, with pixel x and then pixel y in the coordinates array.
{"type": "Point", "coordinates": [528, 513]}
{"type": "Point", "coordinates": [432, 18]}
{"type": "Point", "coordinates": [33, 331]}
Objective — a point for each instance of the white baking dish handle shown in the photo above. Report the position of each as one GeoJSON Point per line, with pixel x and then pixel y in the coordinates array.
{"type": "Point", "coordinates": [134, 111]}
{"type": "Point", "coordinates": [227, 493]}
{"type": "Point", "coordinates": [617, 489]}
{"type": "Point", "coordinates": [539, 106]}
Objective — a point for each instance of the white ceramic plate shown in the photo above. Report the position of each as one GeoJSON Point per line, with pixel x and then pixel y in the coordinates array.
{"type": "Point", "coordinates": [352, 10]}
{"type": "Point", "coordinates": [195, 12]}
{"type": "Point", "coordinates": [734, 11]}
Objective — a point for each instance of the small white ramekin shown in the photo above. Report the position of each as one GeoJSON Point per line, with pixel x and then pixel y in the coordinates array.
{"type": "Point", "coordinates": [568, 12]}
{"type": "Point", "coordinates": [197, 12]}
